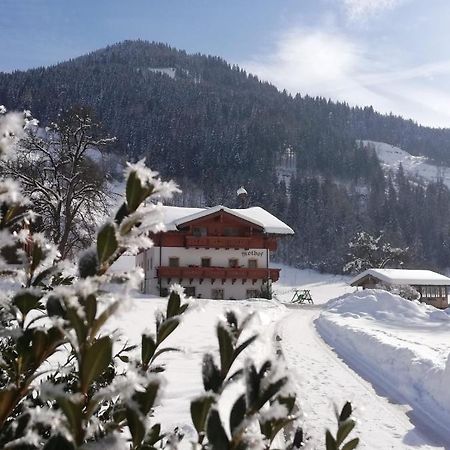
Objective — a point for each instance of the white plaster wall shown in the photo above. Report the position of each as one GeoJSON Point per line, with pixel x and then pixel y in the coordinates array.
{"type": "Point", "coordinates": [230, 290]}
{"type": "Point", "coordinates": [219, 257]}
{"type": "Point", "coordinates": [150, 260]}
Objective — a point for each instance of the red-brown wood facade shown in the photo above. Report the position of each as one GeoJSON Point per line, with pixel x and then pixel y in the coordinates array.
{"type": "Point", "coordinates": [217, 273]}
{"type": "Point", "coordinates": [216, 229]}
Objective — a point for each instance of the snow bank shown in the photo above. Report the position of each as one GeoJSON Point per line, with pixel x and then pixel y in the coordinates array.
{"type": "Point", "coordinates": [401, 346]}
{"type": "Point", "coordinates": [386, 307]}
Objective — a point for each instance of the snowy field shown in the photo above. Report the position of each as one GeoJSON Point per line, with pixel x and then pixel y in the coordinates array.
{"type": "Point", "coordinates": [323, 287]}
{"type": "Point", "coordinates": [390, 362]}
{"type": "Point", "coordinates": [196, 336]}
{"type": "Point", "coordinates": [402, 347]}
{"type": "Point", "coordinates": [419, 166]}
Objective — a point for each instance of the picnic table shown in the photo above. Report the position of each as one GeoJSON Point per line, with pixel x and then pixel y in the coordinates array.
{"type": "Point", "coordinates": [302, 296]}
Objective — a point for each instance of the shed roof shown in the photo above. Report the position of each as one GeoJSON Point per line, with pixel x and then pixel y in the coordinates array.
{"type": "Point", "coordinates": [175, 216]}
{"type": "Point", "coordinates": [404, 276]}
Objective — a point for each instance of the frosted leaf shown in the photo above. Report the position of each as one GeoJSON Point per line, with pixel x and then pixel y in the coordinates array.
{"type": "Point", "coordinates": [49, 417]}
{"type": "Point", "coordinates": [127, 384]}
{"type": "Point", "coordinates": [23, 235]}
{"type": "Point", "coordinates": [144, 174]}
{"type": "Point", "coordinates": [31, 438]}
{"type": "Point", "coordinates": [50, 251]}
{"type": "Point", "coordinates": [135, 242]}
{"type": "Point", "coordinates": [135, 278]}
{"type": "Point", "coordinates": [159, 316]}
{"type": "Point", "coordinates": [276, 411]}
{"type": "Point", "coordinates": [10, 192]}
{"type": "Point", "coordinates": [74, 303]}
{"type": "Point", "coordinates": [88, 262]}
{"type": "Point", "coordinates": [67, 268]}
{"type": "Point", "coordinates": [50, 391]}
{"type": "Point", "coordinates": [165, 189]}
{"type": "Point", "coordinates": [162, 189]}
{"type": "Point", "coordinates": [178, 289]}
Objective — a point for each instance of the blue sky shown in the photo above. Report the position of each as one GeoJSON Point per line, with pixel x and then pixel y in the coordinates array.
{"type": "Point", "coordinates": [392, 54]}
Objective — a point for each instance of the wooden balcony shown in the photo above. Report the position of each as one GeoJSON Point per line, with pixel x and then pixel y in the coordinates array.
{"type": "Point", "coordinates": [217, 273]}
{"type": "Point", "coordinates": [234, 242]}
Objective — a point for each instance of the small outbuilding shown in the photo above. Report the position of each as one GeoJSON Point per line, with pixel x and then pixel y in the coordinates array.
{"type": "Point", "coordinates": [432, 287]}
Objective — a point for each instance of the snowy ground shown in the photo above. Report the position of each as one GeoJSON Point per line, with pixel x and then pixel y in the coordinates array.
{"type": "Point", "coordinates": [322, 379]}
{"type": "Point", "coordinates": [196, 336]}
{"type": "Point", "coordinates": [402, 347]}
{"type": "Point", "coordinates": [323, 287]}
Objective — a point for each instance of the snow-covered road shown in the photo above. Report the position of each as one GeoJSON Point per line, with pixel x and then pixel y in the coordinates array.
{"type": "Point", "coordinates": [324, 380]}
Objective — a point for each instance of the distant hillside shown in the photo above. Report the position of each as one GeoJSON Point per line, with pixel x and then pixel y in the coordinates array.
{"type": "Point", "coordinates": [420, 167]}
{"type": "Point", "coordinates": [213, 127]}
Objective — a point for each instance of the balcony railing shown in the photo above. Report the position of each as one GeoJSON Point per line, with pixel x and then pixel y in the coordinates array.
{"type": "Point", "coordinates": [229, 242]}
{"type": "Point", "coordinates": [218, 273]}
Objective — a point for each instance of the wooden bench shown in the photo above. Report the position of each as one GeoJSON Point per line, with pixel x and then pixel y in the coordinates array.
{"type": "Point", "coordinates": [302, 296]}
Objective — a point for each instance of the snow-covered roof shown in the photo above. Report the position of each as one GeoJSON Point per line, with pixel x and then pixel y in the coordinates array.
{"type": "Point", "coordinates": [404, 276]}
{"type": "Point", "coordinates": [174, 216]}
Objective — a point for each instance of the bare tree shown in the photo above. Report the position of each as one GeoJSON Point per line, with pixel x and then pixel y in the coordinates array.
{"type": "Point", "coordinates": [61, 171]}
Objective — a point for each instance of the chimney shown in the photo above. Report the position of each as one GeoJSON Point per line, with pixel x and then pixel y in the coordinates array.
{"type": "Point", "coordinates": [242, 196]}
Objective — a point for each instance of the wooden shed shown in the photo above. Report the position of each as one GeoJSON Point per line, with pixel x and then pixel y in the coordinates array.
{"type": "Point", "coordinates": [432, 287]}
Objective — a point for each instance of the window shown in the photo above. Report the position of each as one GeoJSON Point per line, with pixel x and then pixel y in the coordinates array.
{"type": "Point", "coordinates": [432, 291]}
{"type": "Point", "coordinates": [206, 262]}
{"type": "Point", "coordinates": [189, 291]}
{"type": "Point", "coordinates": [199, 231]}
{"type": "Point", "coordinates": [252, 293]}
{"type": "Point", "coordinates": [252, 263]}
{"type": "Point", "coordinates": [437, 291]}
{"type": "Point", "coordinates": [228, 231]}
{"type": "Point", "coordinates": [174, 262]}
{"type": "Point", "coordinates": [233, 262]}
{"type": "Point", "coordinates": [217, 294]}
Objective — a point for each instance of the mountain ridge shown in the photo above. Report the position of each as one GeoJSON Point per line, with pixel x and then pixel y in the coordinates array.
{"type": "Point", "coordinates": [213, 127]}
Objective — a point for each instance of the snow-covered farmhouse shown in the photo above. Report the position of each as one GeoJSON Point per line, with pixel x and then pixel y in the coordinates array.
{"type": "Point", "coordinates": [217, 252]}
{"type": "Point", "coordinates": [432, 287]}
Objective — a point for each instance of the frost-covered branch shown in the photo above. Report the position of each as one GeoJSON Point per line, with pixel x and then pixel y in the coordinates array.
{"type": "Point", "coordinates": [367, 251]}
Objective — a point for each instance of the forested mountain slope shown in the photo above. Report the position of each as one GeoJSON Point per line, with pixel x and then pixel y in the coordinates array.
{"type": "Point", "coordinates": [420, 167]}
{"type": "Point", "coordinates": [214, 127]}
